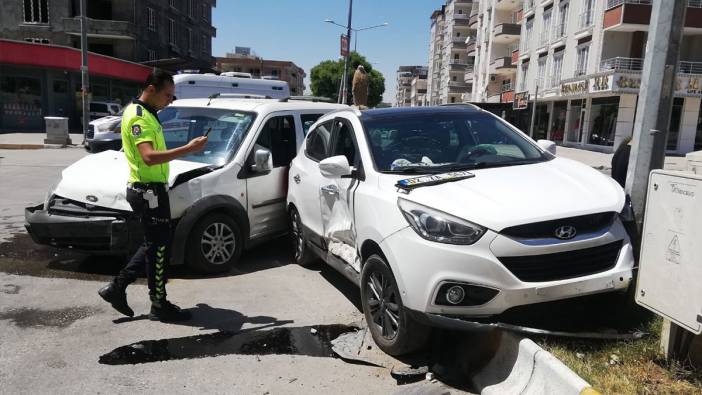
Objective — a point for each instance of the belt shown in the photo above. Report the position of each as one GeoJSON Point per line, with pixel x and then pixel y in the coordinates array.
{"type": "Point", "coordinates": [145, 185]}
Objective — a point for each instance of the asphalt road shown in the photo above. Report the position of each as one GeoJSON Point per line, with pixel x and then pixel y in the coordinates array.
{"type": "Point", "coordinates": [263, 328]}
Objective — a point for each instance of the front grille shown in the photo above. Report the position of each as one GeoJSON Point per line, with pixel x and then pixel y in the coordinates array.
{"type": "Point", "coordinates": [546, 229]}
{"type": "Point", "coordinates": [563, 265]}
{"type": "Point", "coordinates": [61, 206]}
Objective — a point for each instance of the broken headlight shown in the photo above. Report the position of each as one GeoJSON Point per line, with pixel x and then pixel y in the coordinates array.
{"type": "Point", "coordinates": [437, 226]}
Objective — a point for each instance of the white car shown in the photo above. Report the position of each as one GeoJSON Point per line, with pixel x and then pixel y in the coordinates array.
{"type": "Point", "coordinates": [104, 133]}
{"type": "Point", "coordinates": [449, 212]}
{"type": "Point", "coordinates": [229, 196]}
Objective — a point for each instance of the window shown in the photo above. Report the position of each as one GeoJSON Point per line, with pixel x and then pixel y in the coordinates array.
{"type": "Point", "coordinates": [307, 121]}
{"type": "Point", "coordinates": [152, 18]}
{"type": "Point", "coordinates": [37, 40]}
{"type": "Point", "coordinates": [581, 62]}
{"type": "Point", "coordinates": [344, 145]}
{"type": "Point", "coordinates": [191, 8]}
{"type": "Point", "coordinates": [205, 12]}
{"type": "Point", "coordinates": [278, 136]}
{"type": "Point", "coordinates": [523, 80]}
{"type": "Point", "coordinates": [528, 30]}
{"type": "Point", "coordinates": [152, 55]}
{"type": "Point", "coordinates": [189, 34]}
{"type": "Point", "coordinates": [36, 11]}
{"type": "Point", "coordinates": [171, 31]}
{"type": "Point", "coordinates": [587, 16]}
{"type": "Point", "coordinates": [562, 26]}
{"type": "Point", "coordinates": [205, 44]}
{"type": "Point", "coordinates": [556, 69]}
{"type": "Point", "coordinates": [541, 71]}
{"type": "Point", "coordinates": [172, 3]}
{"type": "Point", "coordinates": [317, 141]}
{"type": "Point", "coordinates": [546, 27]}
{"type": "Point", "coordinates": [603, 116]}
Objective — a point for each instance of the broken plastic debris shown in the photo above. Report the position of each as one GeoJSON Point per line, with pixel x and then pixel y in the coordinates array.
{"type": "Point", "coordinates": [410, 374]}
{"type": "Point", "coordinates": [430, 376]}
{"type": "Point", "coordinates": [313, 331]}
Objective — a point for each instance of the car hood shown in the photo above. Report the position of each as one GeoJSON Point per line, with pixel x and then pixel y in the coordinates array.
{"type": "Point", "coordinates": [105, 122]}
{"type": "Point", "coordinates": [507, 196]}
{"type": "Point", "coordinates": [103, 177]}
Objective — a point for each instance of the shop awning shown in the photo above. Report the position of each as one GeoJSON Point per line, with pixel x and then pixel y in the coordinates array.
{"type": "Point", "coordinates": [66, 58]}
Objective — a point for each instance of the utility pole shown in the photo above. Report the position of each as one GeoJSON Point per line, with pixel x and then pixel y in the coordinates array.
{"type": "Point", "coordinates": [651, 129]}
{"type": "Point", "coordinates": [533, 112]}
{"type": "Point", "coordinates": [346, 58]}
{"type": "Point", "coordinates": [84, 68]}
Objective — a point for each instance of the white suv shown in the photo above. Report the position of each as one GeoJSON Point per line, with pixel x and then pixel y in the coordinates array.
{"type": "Point", "coordinates": [224, 198]}
{"type": "Point", "coordinates": [440, 213]}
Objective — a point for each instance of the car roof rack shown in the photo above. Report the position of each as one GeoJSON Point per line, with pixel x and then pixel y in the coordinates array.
{"type": "Point", "coordinates": [307, 98]}
{"type": "Point", "coordinates": [236, 96]}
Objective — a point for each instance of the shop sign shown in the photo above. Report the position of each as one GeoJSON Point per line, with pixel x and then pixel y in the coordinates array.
{"type": "Point", "coordinates": [574, 88]}
{"type": "Point", "coordinates": [625, 81]}
{"type": "Point", "coordinates": [602, 83]}
{"type": "Point", "coordinates": [521, 100]}
{"type": "Point", "coordinates": [688, 86]}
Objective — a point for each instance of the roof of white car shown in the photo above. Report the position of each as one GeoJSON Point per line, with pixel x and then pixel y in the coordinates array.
{"type": "Point", "coordinates": [258, 105]}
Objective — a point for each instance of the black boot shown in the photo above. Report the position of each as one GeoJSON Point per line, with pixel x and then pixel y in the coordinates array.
{"type": "Point", "coordinates": [115, 294]}
{"type": "Point", "coordinates": [165, 311]}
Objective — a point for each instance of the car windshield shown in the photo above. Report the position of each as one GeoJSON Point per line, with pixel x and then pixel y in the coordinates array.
{"type": "Point", "coordinates": [434, 142]}
{"type": "Point", "coordinates": [182, 124]}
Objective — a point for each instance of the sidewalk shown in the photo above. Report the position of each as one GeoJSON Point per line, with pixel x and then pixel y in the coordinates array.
{"type": "Point", "coordinates": [33, 141]}
{"type": "Point", "coordinates": [601, 161]}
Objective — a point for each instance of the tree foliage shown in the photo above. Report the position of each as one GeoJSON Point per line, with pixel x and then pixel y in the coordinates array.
{"type": "Point", "coordinates": [326, 76]}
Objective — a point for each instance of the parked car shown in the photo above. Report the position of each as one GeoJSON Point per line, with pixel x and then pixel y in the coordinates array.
{"type": "Point", "coordinates": [104, 134]}
{"type": "Point", "coordinates": [188, 86]}
{"type": "Point", "coordinates": [232, 192]}
{"type": "Point", "coordinates": [99, 109]}
{"type": "Point", "coordinates": [446, 214]}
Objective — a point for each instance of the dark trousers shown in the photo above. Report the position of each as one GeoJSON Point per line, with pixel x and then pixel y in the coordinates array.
{"type": "Point", "coordinates": [154, 254]}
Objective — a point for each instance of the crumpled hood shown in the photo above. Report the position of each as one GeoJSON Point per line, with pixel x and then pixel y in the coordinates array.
{"type": "Point", "coordinates": [507, 196]}
{"type": "Point", "coordinates": [104, 176]}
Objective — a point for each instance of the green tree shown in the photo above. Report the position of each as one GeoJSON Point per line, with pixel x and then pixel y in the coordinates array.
{"type": "Point", "coordinates": [326, 76]}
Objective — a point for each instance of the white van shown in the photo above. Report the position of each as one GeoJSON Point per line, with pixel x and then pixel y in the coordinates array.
{"type": "Point", "coordinates": [190, 86]}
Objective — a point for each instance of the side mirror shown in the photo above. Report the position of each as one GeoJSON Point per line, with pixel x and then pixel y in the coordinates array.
{"type": "Point", "coordinates": [335, 167]}
{"type": "Point", "coordinates": [263, 161]}
{"type": "Point", "coordinates": [548, 146]}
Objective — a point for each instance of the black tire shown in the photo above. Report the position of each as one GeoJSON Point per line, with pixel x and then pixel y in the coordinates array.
{"type": "Point", "coordinates": [301, 253]}
{"type": "Point", "coordinates": [392, 328]}
{"type": "Point", "coordinates": [215, 244]}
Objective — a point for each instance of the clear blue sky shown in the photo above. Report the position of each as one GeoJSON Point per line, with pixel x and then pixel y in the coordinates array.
{"type": "Point", "coordinates": [295, 30]}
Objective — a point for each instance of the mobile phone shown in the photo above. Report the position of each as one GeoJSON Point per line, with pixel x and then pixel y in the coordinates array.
{"type": "Point", "coordinates": [207, 132]}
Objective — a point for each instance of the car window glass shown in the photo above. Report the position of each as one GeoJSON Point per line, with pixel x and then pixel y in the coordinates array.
{"type": "Point", "coordinates": [278, 136]}
{"type": "Point", "coordinates": [307, 121]}
{"type": "Point", "coordinates": [343, 144]}
{"type": "Point", "coordinates": [317, 141]}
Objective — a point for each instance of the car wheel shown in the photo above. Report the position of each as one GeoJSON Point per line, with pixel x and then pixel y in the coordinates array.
{"type": "Point", "coordinates": [215, 244]}
{"type": "Point", "coordinates": [392, 328]}
{"type": "Point", "coordinates": [300, 251]}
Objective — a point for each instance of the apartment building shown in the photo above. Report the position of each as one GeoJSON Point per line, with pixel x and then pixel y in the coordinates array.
{"type": "Point", "coordinates": [495, 39]}
{"type": "Point", "coordinates": [586, 57]}
{"type": "Point", "coordinates": [170, 34]}
{"type": "Point", "coordinates": [264, 68]}
{"type": "Point", "coordinates": [448, 56]}
{"type": "Point", "coordinates": [410, 86]}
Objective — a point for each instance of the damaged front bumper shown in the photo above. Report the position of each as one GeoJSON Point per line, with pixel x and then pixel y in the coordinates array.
{"type": "Point", "coordinates": [68, 224]}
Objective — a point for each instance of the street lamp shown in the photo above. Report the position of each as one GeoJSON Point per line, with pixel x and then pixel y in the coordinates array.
{"type": "Point", "coordinates": [355, 42]}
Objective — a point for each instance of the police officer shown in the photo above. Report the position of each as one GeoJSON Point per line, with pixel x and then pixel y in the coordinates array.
{"type": "Point", "coordinates": [147, 194]}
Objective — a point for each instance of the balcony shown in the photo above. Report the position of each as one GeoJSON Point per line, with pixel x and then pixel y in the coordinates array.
{"type": "Point", "coordinates": [510, 5]}
{"type": "Point", "coordinates": [459, 66]}
{"type": "Point", "coordinates": [468, 76]}
{"type": "Point", "coordinates": [505, 33]}
{"type": "Point", "coordinates": [690, 67]}
{"type": "Point", "coordinates": [456, 15]}
{"type": "Point", "coordinates": [473, 20]}
{"type": "Point", "coordinates": [458, 87]}
{"type": "Point", "coordinates": [463, 2]}
{"type": "Point", "coordinates": [461, 22]}
{"type": "Point", "coordinates": [502, 66]}
{"type": "Point", "coordinates": [635, 15]}
{"type": "Point", "coordinates": [471, 45]}
{"type": "Point", "coordinates": [101, 28]}
{"type": "Point", "coordinates": [621, 63]}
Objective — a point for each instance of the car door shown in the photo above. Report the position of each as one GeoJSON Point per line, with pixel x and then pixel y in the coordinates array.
{"type": "Point", "coordinates": [308, 179]}
{"type": "Point", "coordinates": [336, 198]}
{"type": "Point", "coordinates": [267, 191]}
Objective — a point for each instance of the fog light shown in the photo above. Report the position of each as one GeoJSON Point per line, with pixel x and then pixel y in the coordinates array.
{"type": "Point", "coordinates": [455, 294]}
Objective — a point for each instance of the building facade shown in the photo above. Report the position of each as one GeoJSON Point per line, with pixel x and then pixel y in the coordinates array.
{"type": "Point", "coordinates": [170, 34]}
{"type": "Point", "coordinates": [261, 68]}
{"type": "Point", "coordinates": [448, 56]}
{"type": "Point", "coordinates": [586, 58]}
{"type": "Point", "coordinates": [411, 86]}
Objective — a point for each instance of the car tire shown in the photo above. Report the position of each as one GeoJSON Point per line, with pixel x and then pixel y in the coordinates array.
{"type": "Point", "coordinates": [301, 253]}
{"type": "Point", "coordinates": [393, 329]}
{"type": "Point", "coordinates": [215, 244]}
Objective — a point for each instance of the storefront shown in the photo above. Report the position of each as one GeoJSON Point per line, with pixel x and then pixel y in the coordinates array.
{"type": "Point", "coordinates": [44, 80]}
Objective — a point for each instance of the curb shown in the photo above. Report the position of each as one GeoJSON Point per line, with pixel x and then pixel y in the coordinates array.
{"type": "Point", "coordinates": [37, 146]}
{"type": "Point", "coordinates": [520, 366]}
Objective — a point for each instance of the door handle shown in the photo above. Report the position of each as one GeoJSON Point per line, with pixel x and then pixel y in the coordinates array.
{"type": "Point", "coordinates": [296, 178]}
{"type": "Point", "coordinates": [330, 189]}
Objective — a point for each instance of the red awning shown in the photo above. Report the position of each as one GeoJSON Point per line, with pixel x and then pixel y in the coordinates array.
{"type": "Point", "coordinates": [65, 58]}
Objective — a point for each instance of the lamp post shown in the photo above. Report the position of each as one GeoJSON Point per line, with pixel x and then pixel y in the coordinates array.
{"type": "Point", "coordinates": [343, 88]}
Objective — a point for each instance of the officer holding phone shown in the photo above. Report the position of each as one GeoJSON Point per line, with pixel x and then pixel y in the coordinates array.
{"type": "Point", "coordinates": [147, 194]}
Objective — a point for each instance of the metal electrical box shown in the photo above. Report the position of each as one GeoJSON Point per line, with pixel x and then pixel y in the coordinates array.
{"type": "Point", "coordinates": [670, 268]}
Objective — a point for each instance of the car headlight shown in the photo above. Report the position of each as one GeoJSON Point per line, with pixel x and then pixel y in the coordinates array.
{"type": "Point", "coordinates": [437, 226]}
